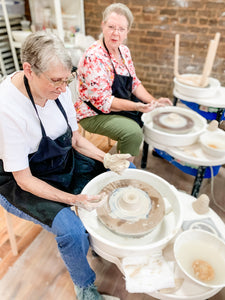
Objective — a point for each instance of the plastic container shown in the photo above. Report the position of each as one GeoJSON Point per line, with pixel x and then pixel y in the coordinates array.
{"type": "Point", "coordinates": [201, 256]}
{"type": "Point", "coordinates": [213, 142]}
{"type": "Point", "coordinates": [14, 8]}
{"type": "Point", "coordinates": [20, 36]}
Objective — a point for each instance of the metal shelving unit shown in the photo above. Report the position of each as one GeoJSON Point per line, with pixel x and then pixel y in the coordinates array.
{"type": "Point", "coordinates": [64, 16]}
{"type": "Point", "coordinates": [9, 50]}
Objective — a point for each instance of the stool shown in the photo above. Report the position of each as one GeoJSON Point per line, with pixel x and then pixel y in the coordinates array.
{"type": "Point", "coordinates": [11, 233]}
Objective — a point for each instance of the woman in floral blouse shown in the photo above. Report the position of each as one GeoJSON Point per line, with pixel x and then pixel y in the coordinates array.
{"type": "Point", "coordinates": [111, 97]}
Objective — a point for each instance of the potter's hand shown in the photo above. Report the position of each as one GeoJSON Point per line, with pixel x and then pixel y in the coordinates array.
{"type": "Point", "coordinates": [147, 107]}
{"type": "Point", "coordinates": [163, 102]}
{"type": "Point", "coordinates": [89, 202]}
{"type": "Point", "coordinates": [116, 162]}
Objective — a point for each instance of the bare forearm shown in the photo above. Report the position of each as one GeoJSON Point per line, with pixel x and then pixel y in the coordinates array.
{"type": "Point", "coordinates": [142, 94]}
{"type": "Point", "coordinates": [148, 102]}
{"type": "Point", "coordinates": [128, 105]}
{"type": "Point", "coordinates": [119, 104]}
{"type": "Point", "coordinates": [86, 148]}
{"type": "Point", "coordinates": [40, 188]}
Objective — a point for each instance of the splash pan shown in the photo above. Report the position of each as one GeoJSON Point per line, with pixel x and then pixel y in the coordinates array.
{"type": "Point", "coordinates": [175, 135]}
{"type": "Point", "coordinates": [172, 122]}
{"type": "Point", "coordinates": [118, 245]}
{"type": "Point", "coordinates": [134, 208]}
{"type": "Point", "coordinates": [194, 91]}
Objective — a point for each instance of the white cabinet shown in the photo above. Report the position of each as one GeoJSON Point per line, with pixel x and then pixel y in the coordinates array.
{"type": "Point", "coordinates": [64, 16]}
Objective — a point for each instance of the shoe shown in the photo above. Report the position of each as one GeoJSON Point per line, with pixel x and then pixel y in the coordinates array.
{"type": "Point", "coordinates": [106, 297]}
{"type": "Point", "coordinates": [88, 293]}
{"type": "Point", "coordinates": [91, 293]}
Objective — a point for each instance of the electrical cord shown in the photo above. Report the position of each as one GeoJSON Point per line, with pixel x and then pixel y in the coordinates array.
{"type": "Point", "coordinates": [212, 190]}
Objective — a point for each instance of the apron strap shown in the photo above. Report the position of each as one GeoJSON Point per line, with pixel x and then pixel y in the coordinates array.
{"type": "Point", "coordinates": [26, 83]}
{"type": "Point", "coordinates": [103, 40]}
{"type": "Point", "coordinates": [59, 104]}
{"type": "Point", "coordinates": [32, 101]}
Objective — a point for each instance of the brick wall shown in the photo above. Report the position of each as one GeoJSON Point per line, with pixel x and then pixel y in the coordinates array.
{"type": "Point", "coordinates": [151, 40]}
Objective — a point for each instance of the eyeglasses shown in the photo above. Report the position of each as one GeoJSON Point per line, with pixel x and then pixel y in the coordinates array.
{"type": "Point", "coordinates": [58, 83]}
{"type": "Point", "coordinates": [112, 28]}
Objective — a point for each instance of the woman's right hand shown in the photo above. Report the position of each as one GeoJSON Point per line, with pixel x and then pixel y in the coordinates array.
{"type": "Point", "coordinates": [89, 202]}
{"type": "Point", "coordinates": [145, 108]}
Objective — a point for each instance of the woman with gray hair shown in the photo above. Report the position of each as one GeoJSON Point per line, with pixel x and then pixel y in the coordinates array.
{"type": "Point", "coordinates": [44, 161]}
{"type": "Point", "coordinates": [111, 97]}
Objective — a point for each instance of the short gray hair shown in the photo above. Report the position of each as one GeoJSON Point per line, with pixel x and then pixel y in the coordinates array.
{"type": "Point", "coordinates": [120, 9]}
{"type": "Point", "coordinates": [40, 49]}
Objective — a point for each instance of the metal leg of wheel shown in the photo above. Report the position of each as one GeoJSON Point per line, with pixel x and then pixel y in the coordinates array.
{"type": "Point", "coordinates": [198, 181]}
{"type": "Point", "coordinates": [144, 155]}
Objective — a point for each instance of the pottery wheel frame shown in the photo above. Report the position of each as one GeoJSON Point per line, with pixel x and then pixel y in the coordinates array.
{"type": "Point", "coordinates": [136, 228]}
{"type": "Point", "coordinates": [184, 129]}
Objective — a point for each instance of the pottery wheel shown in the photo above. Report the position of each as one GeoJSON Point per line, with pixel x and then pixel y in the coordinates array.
{"type": "Point", "coordinates": [133, 208]}
{"type": "Point", "coordinates": [173, 122]}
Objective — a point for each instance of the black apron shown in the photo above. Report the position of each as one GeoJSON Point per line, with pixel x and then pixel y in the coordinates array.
{"type": "Point", "coordinates": [121, 88]}
{"type": "Point", "coordinates": [55, 162]}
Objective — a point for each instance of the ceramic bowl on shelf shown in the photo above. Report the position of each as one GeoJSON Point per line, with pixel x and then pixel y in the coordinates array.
{"type": "Point", "coordinates": [201, 256]}
{"type": "Point", "coordinates": [213, 142]}
{"type": "Point", "coordinates": [20, 36]}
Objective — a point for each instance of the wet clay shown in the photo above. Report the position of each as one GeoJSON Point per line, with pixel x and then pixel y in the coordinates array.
{"type": "Point", "coordinates": [133, 208]}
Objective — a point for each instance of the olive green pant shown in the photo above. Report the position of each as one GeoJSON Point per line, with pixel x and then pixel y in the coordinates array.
{"type": "Point", "coordinates": [125, 131]}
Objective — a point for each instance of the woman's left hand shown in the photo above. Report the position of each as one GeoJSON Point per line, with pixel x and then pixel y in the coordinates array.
{"type": "Point", "coordinates": [116, 162]}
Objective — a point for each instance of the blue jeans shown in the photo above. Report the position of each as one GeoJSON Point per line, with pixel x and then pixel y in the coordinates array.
{"type": "Point", "coordinates": [72, 240]}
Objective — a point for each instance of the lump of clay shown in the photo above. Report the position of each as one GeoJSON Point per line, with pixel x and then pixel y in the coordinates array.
{"type": "Point", "coordinates": [174, 119]}
{"type": "Point", "coordinates": [213, 125]}
{"type": "Point", "coordinates": [201, 205]}
{"type": "Point", "coordinates": [203, 270]}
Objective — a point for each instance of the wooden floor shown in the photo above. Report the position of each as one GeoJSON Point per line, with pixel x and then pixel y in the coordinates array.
{"type": "Point", "coordinates": [38, 273]}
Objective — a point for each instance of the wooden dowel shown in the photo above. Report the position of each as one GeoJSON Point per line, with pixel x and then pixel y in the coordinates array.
{"type": "Point", "coordinates": [12, 238]}
{"type": "Point", "coordinates": [176, 55]}
{"type": "Point", "coordinates": [213, 45]}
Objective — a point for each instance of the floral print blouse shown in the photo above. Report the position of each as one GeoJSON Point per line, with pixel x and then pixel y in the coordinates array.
{"type": "Point", "coordinates": [96, 75]}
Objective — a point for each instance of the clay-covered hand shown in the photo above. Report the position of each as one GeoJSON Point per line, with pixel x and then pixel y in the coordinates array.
{"type": "Point", "coordinates": [116, 162]}
{"type": "Point", "coordinates": [89, 202]}
{"type": "Point", "coordinates": [147, 107]}
{"type": "Point", "coordinates": [163, 102]}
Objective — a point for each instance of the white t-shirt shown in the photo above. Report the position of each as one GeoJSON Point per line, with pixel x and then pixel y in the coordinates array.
{"type": "Point", "coordinates": [20, 130]}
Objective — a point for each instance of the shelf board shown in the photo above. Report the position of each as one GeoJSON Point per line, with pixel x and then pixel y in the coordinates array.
{"type": "Point", "coordinates": [69, 16]}
{"type": "Point", "coordinates": [17, 44]}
